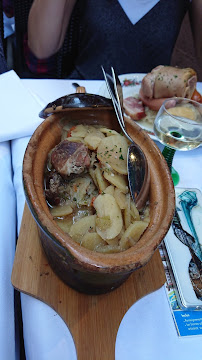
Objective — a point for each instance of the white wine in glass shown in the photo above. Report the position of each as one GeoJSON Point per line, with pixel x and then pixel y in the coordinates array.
{"type": "Point", "coordinates": [178, 125]}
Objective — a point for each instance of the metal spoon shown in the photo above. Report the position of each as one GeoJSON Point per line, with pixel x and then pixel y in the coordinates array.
{"type": "Point", "coordinates": [138, 171]}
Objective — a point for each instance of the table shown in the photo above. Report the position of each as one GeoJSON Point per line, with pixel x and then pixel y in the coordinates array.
{"type": "Point", "coordinates": [7, 244]}
{"type": "Point", "coordinates": [147, 330]}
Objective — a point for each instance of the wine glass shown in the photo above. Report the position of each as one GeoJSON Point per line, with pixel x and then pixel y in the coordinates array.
{"type": "Point", "coordinates": [178, 125]}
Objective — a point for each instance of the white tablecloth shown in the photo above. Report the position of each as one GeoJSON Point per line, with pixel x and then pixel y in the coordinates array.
{"type": "Point", "coordinates": [147, 330]}
{"type": "Point", "coordinates": [7, 252]}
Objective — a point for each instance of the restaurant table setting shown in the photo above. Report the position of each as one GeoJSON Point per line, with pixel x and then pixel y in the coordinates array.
{"type": "Point", "coordinates": [147, 330]}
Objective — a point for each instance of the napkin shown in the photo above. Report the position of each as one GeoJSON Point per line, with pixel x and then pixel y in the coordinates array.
{"type": "Point", "coordinates": [19, 109]}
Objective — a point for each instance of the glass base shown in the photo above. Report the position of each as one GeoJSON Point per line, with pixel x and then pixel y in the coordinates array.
{"type": "Point", "coordinates": [175, 176]}
{"type": "Point", "coordinates": [168, 154]}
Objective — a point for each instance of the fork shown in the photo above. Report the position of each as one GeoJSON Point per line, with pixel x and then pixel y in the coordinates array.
{"type": "Point", "coordinates": [138, 171]}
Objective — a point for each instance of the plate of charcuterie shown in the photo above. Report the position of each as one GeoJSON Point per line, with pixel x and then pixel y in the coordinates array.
{"type": "Point", "coordinates": [144, 93]}
{"type": "Point", "coordinates": [131, 84]}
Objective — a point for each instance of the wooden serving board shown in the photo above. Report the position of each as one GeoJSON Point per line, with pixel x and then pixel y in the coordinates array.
{"type": "Point", "coordinates": [93, 320]}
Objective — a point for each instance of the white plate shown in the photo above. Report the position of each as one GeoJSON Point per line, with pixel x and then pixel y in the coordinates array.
{"type": "Point", "coordinates": [131, 85]}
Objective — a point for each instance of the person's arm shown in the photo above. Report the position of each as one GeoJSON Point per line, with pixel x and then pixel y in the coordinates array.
{"type": "Point", "coordinates": [196, 25]}
{"type": "Point", "coordinates": [47, 24]}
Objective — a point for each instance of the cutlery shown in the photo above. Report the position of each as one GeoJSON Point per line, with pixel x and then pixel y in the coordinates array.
{"type": "Point", "coordinates": [79, 89]}
{"type": "Point", "coordinates": [138, 171]}
{"type": "Point", "coordinates": [76, 85]}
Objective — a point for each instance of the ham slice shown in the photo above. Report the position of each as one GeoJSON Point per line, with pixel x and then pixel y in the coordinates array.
{"type": "Point", "coordinates": [134, 108]}
{"type": "Point", "coordinates": [167, 81]}
{"type": "Point", "coordinates": [153, 104]}
{"type": "Point", "coordinates": [70, 158]}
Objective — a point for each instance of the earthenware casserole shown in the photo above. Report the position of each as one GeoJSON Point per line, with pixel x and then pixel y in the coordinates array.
{"type": "Point", "coordinates": [82, 269]}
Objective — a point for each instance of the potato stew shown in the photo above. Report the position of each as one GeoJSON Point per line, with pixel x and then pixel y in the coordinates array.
{"type": "Point", "coordinates": [86, 189]}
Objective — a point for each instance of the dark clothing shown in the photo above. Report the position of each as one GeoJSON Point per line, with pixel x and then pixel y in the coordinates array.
{"type": "Point", "coordinates": [8, 7]}
{"type": "Point", "coordinates": [106, 36]}
{"type": "Point", "coordinates": [3, 65]}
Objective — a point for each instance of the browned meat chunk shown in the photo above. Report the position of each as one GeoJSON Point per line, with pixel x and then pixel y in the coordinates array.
{"type": "Point", "coordinates": [134, 108]}
{"type": "Point", "coordinates": [54, 188]}
{"type": "Point", "coordinates": [169, 81]}
{"type": "Point", "coordinates": [70, 158]}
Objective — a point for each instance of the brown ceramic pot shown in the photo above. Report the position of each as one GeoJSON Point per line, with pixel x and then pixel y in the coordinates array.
{"type": "Point", "coordinates": [80, 268]}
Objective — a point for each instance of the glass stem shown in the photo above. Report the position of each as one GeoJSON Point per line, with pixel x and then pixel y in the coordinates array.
{"type": "Point", "coordinates": [168, 154]}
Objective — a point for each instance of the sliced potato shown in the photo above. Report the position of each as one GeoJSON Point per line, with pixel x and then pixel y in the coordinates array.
{"type": "Point", "coordinates": [75, 139]}
{"type": "Point", "coordinates": [93, 159]}
{"type": "Point", "coordinates": [102, 183]}
{"type": "Point", "coordinates": [61, 210]}
{"type": "Point", "coordinates": [93, 175]}
{"type": "Point", "coordinates": [108, 132]}
{"type": "Point", "coordinates": [146, 215]}
{"type": "Point", "coordinates": [114, 241]}
{"type": "Point", "coordinates": [64, 224]}
{"type": "Point", "coordinates": [82, 226]}
{"type": "Point", "coordinates": [108, 249]}
{"type": "Point", "coordinates": [127, 214]}
{"type": "Point", "coordinates": [120, 198]}
{"type": "Point", "coordinates": [146, 211]}
{"type": "Point", "coordinates": [105, 206]}
{"type": "Point", "coordinates": [93, 137]}
{"type": "Point", "coordinates": [134, 211]}
{"type": "Point", "coordinates": [93, 129]}
{"type": "Point", "coordinates": [92, 141]}
{"type": "Point", "coordinates": [120, 181]}
{"type": "Point", "coordinates": [113, 150]}
{"type": "Point", "coordinates": [147, 220]}
{"type": "Point", "coordinates": [103, 223]}
{"type": "Point", "coordinates": [79, 131]}
{"type": "Point", "coordinates": [109, 190]}
{"type": "Point", "coordinates": [132, 234]}
{"type": "Point", "coordinates": [92, 240]}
